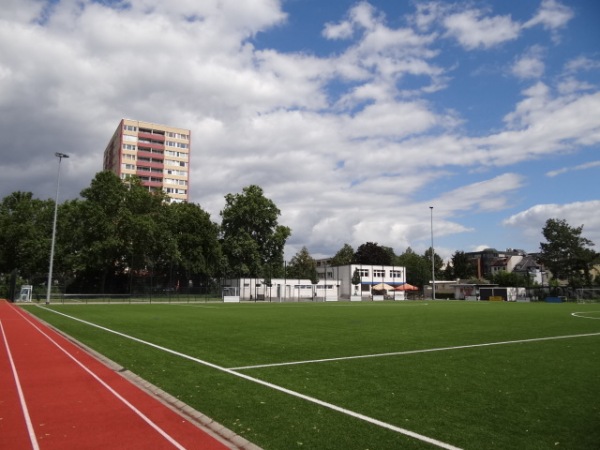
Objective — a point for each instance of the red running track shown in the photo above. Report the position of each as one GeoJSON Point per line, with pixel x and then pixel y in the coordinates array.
{"type": "Point", "coordinates": [56, 396]}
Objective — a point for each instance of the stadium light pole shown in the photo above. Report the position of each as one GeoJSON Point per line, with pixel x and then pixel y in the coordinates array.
{"type": "Point", "coordinates": [60, 156]}
{"type": "Point", "coordinates": [432, 259]}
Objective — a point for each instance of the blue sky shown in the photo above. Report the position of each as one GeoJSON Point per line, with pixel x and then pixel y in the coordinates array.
{"type": "Point", "coordinates": [354, 117]}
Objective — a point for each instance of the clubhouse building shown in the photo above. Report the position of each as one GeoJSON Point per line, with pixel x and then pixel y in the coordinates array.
{"type": "Point", "coordinates": [376, 282]}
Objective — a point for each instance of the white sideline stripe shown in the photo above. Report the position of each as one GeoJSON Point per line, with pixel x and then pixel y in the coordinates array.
{"type": "Point", "coordinates": [412, 352]}
{"type": "Point", "coordinates": [307, 398]}
{"type": "Point", "coordinates": [580, 315]}
{"type": "Point", "coordinates": [30, 430]}
{"type": "Point", "coordinates": [111, 390]}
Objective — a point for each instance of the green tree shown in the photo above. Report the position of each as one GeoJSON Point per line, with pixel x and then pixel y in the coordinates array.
{"type": "Point", "coordinates": [373, 253]}
{"type": "Point", "coordinates": [253, 241]}
{"type": "Point", "coordinates": [25, 234]}
{"type": "Point", "coordinates": [303, 265]}
{"type": "Point", "coordinates": [418, 269]}
{"type": "Point", "coordinates": [118, 229]}
{"type": "Point", "coordinates": [344, 256]}
{"type": "Point", "coordinates": [461, 266]}
{"type": "Point", "coordinates": [198, 251]}
{"type": "Point", "coordinates": [68, 260]}
{"type": "Point", "coordinates": [144, 220]}
{"type": "Point", "coordinates": [438, 262]}
{"type": "Point", "coordinates": [566, 254]}
{"type": "Point", "coordinates": [104, 250]}
{"type": "Point", "coordinates": [510, 279]}
{"type": "Point", "coordinates": [355, 281]}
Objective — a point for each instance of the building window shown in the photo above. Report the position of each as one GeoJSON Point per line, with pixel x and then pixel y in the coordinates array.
{"type": "Point", "coordinates": [363, 272]}
{"type": "Point", "coordinates": [321, 286]}
{"type": "Point", "coordinates": [128, 147]}
{"type": "Point", "coordinates": [181, 173]}
{"type": "Point", "coordinates": [176, 154]}
{"type": "Point", "coordinates": [170, 162]}
{"type": "Point", "coordinates": [177, 182]}
{"type": "Point", "coordinates": [176, 144]}
{"type": "Point", "coordinates": [129, 128]}
{"type": "Point", "coordinates": [175, 191]}
{"type": "Point", "coordinates": [177, 135]}
{"type": "Point", "coordinates": [379, 273]}
{"type": "Point", "coordinates": [396, 273]}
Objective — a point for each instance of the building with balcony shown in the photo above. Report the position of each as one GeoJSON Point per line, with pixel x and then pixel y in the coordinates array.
{"type": "Point", "coordinates": [158, 154]}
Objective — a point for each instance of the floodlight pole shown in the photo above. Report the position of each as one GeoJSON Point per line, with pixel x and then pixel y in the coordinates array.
{"type": "Point", "coordinates": [60, 156]}
{"type": "Point", "coordinates": [432, 259]}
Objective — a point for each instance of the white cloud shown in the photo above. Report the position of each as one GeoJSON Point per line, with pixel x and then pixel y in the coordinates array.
{"type": "Point", "coordinates": [361, 16]}
{"type": "Point", "coordinates": [473, 31]}
{"type": "Point", "coordinates": [391, 120]}
{"type": "Point", "coordinates": [342, 30]}
{"type": "Point", "coordinates": [530, 64]}
{"type": "Point", "coordinates": [542, 124]}
{"type": "Point", "coordinates": [380, 52]}
{"type": "Point", "coordinates": [570, 85]}
{"type": "Point", "coordinates": [488, 195]}
{"type": "Point", "coordinates": [581, 63]}
{"type": "Point", "coordinates": [586, 166]}
{"type": "Point", "coordinates": [429, 13]}
{"type": "Point", "coordinates": [348, 145]}
{"type": "Point", "coordinates": [23, 11]}
{"type": "Point", "coordinates": [551, 15]}
{"type": "Point", "coordinates": [532, 220]}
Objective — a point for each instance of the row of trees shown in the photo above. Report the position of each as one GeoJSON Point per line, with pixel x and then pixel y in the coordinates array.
{"type": "Point", "coordinates": [566, 255]}
{"type": "Point", "coordinates": [118, 234]}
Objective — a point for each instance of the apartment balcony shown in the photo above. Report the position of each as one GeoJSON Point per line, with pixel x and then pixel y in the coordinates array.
{"type": "Point", "coordinates": [151, 136]}
{"type": "Point", "coordinates": [146, 166]}
{"type": "Point", "coordinates": [146, 154]}
{"type": "Point", "coordinates": [156, 184]}
{"type": "Point", "coordinates": [151, 144]}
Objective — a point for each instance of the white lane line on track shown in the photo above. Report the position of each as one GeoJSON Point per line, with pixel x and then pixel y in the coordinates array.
{"type": "Point", "coordinates": [30, 430]}
{"type": "Point", "coordinates": [140, 414]}
{"type": "Point", "coordinates": [307, 398]}
{"type": "Point", "coordinates": [412, 352]}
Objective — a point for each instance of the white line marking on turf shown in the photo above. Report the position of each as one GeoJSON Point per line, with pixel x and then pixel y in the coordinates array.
{"type": "Point", "coordinates": [192, 305]}
{"type": "Point", "coordinates": [30, 430]}
{"type": "Point", "coordinates": [107, 387]}
{"type": "Point", "coordinates": [582, 316]}
{"type": "Point", "coordinates": [307, 398]}
{"type": "Point", "coordinates": [412, 352]}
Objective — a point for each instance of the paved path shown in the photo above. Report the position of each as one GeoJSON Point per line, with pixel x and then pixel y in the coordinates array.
{"type": "Point", "coordinates": [55, 395]}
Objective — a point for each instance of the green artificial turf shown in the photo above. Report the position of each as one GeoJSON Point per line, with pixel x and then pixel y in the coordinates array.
{"type": "Point", "coordinates": [530, 395]}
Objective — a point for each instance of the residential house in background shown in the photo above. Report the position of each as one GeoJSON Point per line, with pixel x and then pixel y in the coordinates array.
{"type": "Point", "coordinates": [489, 261]}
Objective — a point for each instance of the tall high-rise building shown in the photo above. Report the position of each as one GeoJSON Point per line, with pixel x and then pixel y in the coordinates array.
{"type": "Point", "coordinates": [158, 154]}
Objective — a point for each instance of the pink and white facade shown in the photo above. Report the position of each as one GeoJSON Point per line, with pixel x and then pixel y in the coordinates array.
{"type": "Point", "coordinates": [158, 154]}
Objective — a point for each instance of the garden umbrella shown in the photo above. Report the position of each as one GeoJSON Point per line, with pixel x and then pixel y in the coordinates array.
{"type": "Point", "coordinates": [406, 287]}
{"type": "Point", "coordinates": [382, 286]}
